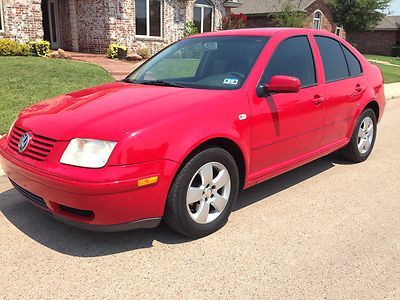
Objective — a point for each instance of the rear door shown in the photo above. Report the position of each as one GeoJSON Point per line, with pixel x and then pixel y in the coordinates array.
{"type": "Point", "coordinates": [286, 126]}
{"type": "Point", "coordinates": [343, 87]}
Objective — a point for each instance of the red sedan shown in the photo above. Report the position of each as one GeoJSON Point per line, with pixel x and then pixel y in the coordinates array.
{"type": "Point", "coordinates": [204, 118]}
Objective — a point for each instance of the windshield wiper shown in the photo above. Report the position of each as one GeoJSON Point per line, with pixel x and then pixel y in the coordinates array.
{"type": "Point", "coordinates": [162, 83]}
{"type": "Point", "coordinates": [128, 80]}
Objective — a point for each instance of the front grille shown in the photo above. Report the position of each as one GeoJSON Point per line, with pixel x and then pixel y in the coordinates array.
{"type": "Point", "coordinates": [38, 149]}
{"type": "Point", "coordinates": [32, 197]}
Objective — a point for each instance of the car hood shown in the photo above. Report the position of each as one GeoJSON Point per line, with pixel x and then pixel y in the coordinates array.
{"type": "Point", "coordinates": [109, 111]}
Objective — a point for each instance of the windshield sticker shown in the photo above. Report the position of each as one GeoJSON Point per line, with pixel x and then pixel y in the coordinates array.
{"type": "Point", "coordinates": [231, 81]}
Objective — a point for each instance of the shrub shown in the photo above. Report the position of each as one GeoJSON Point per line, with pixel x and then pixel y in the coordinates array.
{"type": "Point", "coordinates": [12, 48]}
{"type": "Point", "coordinates": [40, 48]}
{"type": "Point", "coordinates": [144, 52]}
{"type": "Point", "coordinates": [117, 51]}
{"type": "Point", "coordinates": [9, 47]}
{"type": "Point", "coordinates": [234, 21]}
{"type": "Point", "coordinates": [190, 28]}
{"type": "Point", "coordinates": [24, 50]}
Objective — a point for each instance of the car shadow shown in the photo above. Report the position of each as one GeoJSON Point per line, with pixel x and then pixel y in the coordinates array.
{"type": "Point", "coordinates": [76, 242]}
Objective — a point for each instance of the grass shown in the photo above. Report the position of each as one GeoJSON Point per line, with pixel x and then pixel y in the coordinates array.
{"type": "Point", "coordinates": [389, 59]}
{"type": "Point", "coordinates": [390, 74]}
{"type": "Point", "coordinates": [27, 80]}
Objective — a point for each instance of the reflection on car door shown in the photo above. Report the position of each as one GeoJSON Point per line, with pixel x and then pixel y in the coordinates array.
{"type": "Point", "coordinates": [286, 126]}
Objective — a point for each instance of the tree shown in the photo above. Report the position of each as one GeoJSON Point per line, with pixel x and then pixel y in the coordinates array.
{"type": "Point", "coordinates": [290, 16]}
{"type": "Point", "coordinates": [358, 15]}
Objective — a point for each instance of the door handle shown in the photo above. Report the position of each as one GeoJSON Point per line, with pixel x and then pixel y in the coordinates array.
{"type": "Point", "coordinates": [358, 88]}
{"type": "Point", "coordinates": [318, 99]}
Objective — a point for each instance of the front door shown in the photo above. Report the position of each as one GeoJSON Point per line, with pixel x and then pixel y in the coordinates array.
{"type": "Point", "coordinates": [54, 35]}
{"type": "Point", "coordinates": [287, 126]}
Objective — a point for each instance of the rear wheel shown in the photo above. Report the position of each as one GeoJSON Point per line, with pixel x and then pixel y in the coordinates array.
{"type": "Point", "coordinates": [363, 138]}
{"type": "Point", "coordinates": [203, 193]}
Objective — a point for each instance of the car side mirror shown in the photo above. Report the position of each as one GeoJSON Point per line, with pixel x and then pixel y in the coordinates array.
{"type": "Point", "coordinates": [283, 84]}
{"type": "Point", "coordinates": [280, 84]}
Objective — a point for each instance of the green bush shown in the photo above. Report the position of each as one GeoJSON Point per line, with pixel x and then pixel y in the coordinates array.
{"type": "Point", "coordinates": [12, 48]}
{"type": "Point", "coordinates": [190, 29]}
{"type": "Point", "coordinates": [144, 52]}
{"type": "Point", "coordinates": [8, 47]}
{"type": "Point", "coordinates": [114, 49]}
{"type": "Point", "coordinates": [40, 48]}
{"type": "Point", "coordinates": [24, 50]}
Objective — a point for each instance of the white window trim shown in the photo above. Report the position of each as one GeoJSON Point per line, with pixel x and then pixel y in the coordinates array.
{"type": "Point", "coordinates": [202, 6]}
{"type": "Point", "coordinates": [148, 22]}
{"type": "Point", "coordinates": [1, 16]}
{"type": "Point", "coordinates": [338, 31]}
{"type": "Point", "coordinates": [317, 19]}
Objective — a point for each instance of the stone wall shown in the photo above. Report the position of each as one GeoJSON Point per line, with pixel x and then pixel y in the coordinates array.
{"type": "Point", "coordinates": [175, 14]}
{"type": "Point", "coordinates": [93, 24]}
{"type": "Point", "coordinates": [22, 20]}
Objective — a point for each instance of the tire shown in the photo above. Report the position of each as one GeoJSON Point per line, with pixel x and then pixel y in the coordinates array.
{"type": "Point", "coordinates": [362, 140]}
{"type": "Point", "coordinates": [183, 213]}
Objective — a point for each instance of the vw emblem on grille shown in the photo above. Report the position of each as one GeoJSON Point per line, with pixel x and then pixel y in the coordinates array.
{"type": "Point", "coordinates": [24, 142]}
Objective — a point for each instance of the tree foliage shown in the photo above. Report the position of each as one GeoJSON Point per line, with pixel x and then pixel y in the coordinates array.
{"type": "Point", "coordinates": [358, 15]}
{"type": "Point", "coordinates": [289, 16]}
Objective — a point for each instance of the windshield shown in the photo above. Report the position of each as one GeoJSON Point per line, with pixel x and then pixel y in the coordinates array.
{"type": "Point", "coordinates": [222, 62]}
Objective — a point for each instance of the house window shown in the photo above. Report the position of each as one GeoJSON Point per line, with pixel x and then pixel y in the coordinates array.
{"type": "Point", "coordinates": [1, 16]}
{"type": "Point", "coordinates": [203, 15]}
{"type": "Point", "coordinates": [317, 19]}
{"type": "Point", "coordinates": [148, 17]}
{"type": "Point", "coordinates": [338, 31]}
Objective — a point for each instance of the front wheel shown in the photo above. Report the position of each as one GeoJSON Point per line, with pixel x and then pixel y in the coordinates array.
{"type": "Point", "coordinates": [203, 193]}
{"type": "Point", "coordinates": [363, 138]}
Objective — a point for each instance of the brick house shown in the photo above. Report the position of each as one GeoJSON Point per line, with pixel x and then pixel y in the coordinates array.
{"type": "Point", "coordinates": [91, 25]}
{"type": "Point", "coordinates": [317, 12]}
{"type": "Point", "coordinates": [381, 39]}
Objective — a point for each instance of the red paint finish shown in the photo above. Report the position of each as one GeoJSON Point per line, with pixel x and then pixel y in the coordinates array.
{"type": "Point", "coordinates": [157, 127]}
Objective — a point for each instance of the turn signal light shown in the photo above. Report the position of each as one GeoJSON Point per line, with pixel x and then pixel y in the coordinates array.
{"type": "Point", "coordinates": [147, 181]}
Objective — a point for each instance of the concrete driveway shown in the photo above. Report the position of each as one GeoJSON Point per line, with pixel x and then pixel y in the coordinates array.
{"type": "Point", "coordinates": [326, 230]}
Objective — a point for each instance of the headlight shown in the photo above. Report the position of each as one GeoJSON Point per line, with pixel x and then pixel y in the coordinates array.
{"type": "Point", "coordinates": [87, 153]}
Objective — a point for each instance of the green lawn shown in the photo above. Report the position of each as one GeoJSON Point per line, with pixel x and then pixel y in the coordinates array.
{"type": "Point", "coordinates": [26, 80]}
{"type": "Point", "coordinates": [390, 74]}
{"type": "Point", "coordinates": [389, 59]}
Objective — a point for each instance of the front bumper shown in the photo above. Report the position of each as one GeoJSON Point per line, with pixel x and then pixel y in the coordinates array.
{"type": "Point", "coordinates": [102, 205]}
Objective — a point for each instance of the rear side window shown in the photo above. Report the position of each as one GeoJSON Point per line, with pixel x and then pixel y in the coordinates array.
{"type": "Point", "coordinates": [335, 66]}
{"type": "Point", "coordinates": [293, 57]}
{"type": "Point", "coordinates": [352, 62]}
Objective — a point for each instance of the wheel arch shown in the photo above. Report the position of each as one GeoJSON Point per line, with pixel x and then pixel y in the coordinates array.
{"type": "Point", "coordinates": [225, 143]}
{"type": "Point", "coordinates": [373, 104]}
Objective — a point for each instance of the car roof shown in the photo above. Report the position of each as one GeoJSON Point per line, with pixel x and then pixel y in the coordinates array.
{"type": "Point", "coordinates": [266, 31]}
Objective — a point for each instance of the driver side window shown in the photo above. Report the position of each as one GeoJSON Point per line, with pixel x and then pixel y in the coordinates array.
{"type": "Point", "coordinates": [292, 57]}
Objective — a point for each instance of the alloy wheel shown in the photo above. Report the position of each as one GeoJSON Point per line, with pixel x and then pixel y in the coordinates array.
{"type": "Point", "coordinates": [365, 135]}
{"type": "Point", "coordinates": [208, 192]}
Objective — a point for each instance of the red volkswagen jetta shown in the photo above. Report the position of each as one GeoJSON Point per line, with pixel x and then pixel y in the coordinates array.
{"type": "Point", "coordinates": [207, 116]}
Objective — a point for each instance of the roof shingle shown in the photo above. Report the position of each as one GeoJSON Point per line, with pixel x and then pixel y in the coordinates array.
{"type": "Point", "coordinates": [267, 6]}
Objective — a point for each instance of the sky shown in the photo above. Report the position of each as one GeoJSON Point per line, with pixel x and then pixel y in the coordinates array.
{"type": "Point", "coordinates": [394, 7]}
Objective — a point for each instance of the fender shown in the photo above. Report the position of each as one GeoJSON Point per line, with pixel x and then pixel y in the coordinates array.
{"type": "Point", "coordinates": [175, 136]}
